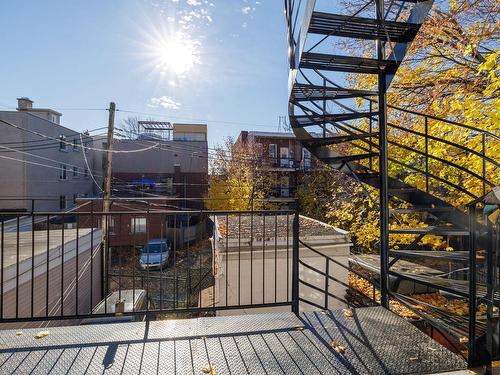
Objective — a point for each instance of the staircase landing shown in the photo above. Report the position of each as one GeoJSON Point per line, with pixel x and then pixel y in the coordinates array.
{"type": "Point", "coordinates": [376, 341]}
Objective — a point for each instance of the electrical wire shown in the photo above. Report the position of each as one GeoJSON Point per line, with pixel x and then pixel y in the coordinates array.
{"type": "Point", "coordinates": [196, 119]}
{"type": "Point", "coordinates": [71, 144]}
{"type": "Point", "coordinates": [88, 168]}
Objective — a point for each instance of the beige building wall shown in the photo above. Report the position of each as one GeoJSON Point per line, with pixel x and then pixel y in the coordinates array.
{"type": "Point", "coordinates": [263, 273]}
{"type": "Point", "coordinates": [34, 171]}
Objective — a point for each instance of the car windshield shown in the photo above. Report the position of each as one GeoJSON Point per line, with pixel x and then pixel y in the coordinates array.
{"type": "Point", "coordinates": [154, 248]}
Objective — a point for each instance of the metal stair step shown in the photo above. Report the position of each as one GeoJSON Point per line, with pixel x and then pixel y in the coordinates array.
{"type": "Point", "coordinates": [306, 92]}
{"type": "Point", "coordinates": [413, 210]}
{"type": "Point", "coordinates": [413, 274]}
{"type": "Point", "coordinates": [315, 142]}
{"type": "Point", "coordinates": [448, 256]}
{"type": "Point", "coordinates": [361, 27]}
{"type": "Point", "coordinates": [403, 190]}
{"type": "Point", "coordinates": [348, 64]}
{"type": "Point", "coordinates": [347, 158]}
{"type": "Point", "coordinates": [302, 121]}
{"type": "Point", "coordinates": [432, 229]}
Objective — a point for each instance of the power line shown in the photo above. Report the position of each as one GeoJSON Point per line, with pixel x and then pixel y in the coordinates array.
{"type": "Point", "coordinates": [44, 158]}
{"type": "Point", "coordinates": [69, 143]}
{"type": "Point", "coordinates": [88, 168]}
{"type": "Point", "coordinates": [196, 119]}
{"type": "Point", "coordinates": [126, 183]}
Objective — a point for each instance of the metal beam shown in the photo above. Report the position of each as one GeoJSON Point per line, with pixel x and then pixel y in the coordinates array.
{"type": "Point", "coordinates": [383, 166]}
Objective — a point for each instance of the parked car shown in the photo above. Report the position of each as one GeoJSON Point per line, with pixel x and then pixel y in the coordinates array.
{"type": "Point", "coordinates": [154, 255]}
{"type": "Point", "coordinates": [130, 301]}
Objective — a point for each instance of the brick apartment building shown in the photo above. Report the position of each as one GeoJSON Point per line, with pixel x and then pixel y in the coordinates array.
{"type": "Point", "coordinates": [282, 156]}
{"type": "Point", "coordinates": [154, 172]}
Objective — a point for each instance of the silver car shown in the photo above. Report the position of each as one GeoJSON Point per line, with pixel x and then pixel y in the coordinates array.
{"type": "Point", "coordinates": [154, 255]}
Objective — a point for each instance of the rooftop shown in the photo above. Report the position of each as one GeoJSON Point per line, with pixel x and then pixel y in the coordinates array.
{"type": "Point", "coordinates": [256, 226]}
{"type": "Point", "coordinates": [270, 134]}
{"type": "Point", "coordinates": [374, 341]}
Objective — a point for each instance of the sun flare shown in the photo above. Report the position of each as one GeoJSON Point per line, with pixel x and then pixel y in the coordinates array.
{"type": "Point", "coordinates": [177, 54]}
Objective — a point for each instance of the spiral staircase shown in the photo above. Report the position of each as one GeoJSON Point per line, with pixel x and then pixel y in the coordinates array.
{"type": "Point", "coordinates": [355, 131]}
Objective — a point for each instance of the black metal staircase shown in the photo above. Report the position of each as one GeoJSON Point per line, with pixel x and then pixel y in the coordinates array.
{"type": "Point", "coordinates": [353, 130]}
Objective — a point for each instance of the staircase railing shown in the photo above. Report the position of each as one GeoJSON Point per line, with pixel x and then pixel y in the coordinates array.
{"type": "Point", "coordinates": [485, 211]}
{"type": "Point", "coordinates": [328, 279]}
{"type": "Point", "coordinates": [396, 150]}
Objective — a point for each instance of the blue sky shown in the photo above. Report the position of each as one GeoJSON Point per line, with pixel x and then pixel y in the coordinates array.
{"type": "Point", "coordinates": [83, 54]}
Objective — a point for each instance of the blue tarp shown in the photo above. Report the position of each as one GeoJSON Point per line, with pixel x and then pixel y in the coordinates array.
{"type": "Point", "coordinates": [144, 182]}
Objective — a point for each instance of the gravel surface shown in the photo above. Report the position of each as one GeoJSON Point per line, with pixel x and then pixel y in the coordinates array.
{"type": "Point", "coordinates": [281, 225]}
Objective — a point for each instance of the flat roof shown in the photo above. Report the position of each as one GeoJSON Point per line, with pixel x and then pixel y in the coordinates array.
{"type": "Point", "coordinates": [271, 135]}
{"type": "Point", "coordinates": [270, 226]}
{"type": "Point", "coordinates": [40, 242]}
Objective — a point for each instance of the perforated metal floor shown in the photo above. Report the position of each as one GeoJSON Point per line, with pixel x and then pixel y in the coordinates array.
{"type": "Point", "coordinates": [376, 342]}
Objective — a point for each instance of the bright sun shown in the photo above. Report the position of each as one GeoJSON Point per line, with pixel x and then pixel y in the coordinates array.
{"type": "Point", "coordinates": [177, 54]}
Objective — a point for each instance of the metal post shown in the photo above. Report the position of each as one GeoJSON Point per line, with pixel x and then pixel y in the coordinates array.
{"type": "Point", "coordinates": [490, 293]}
{"type": "Point", "coordinates": [370, 130]}
{"type": "Point", "coordinates": [426, 155]}
{"type": "Point", "coordinates": [472, 357]}
{"type": "Point", "coordinates": [483, 142]}
{"type": "Point", "coordinates": [327, 272]}
{"type": "Point", "coordinates": [383, 166]}
{"type": "Point", "coordinates": [324, 107]}
{"type": "Point", "coordinates": [295, 263]}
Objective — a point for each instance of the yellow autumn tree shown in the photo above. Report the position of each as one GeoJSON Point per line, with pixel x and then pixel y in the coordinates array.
{"type": "Point", "coordinates": [236, 181]}
{"type": "Point", "coordinates": [450, 72]}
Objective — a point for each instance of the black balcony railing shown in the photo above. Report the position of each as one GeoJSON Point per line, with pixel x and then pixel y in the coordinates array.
{"type": "Point", "coordinates": [53, 265]}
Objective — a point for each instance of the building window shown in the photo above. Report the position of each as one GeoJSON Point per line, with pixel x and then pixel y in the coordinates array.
{"type": "Point", "coordinates": [285, 158]}
{"type": "Point", "coordinates": [75, 197]}
{"type": "Point", "coordinates": [193, 137]}
{"type": "Point", "coordinates": [75, 145]}
{"type": "Point", "coordinates": [272, 151]}
{"type": "Point", "coordinates": [138, 225]}
{"type": "Point", "coordinates": [62, 173]}
{"type": "Point", "coordinates": [306, 159]}
{"type": "Point", "coordinates": [75, 171]}
{"type": "Point", "coordinates": [85, 173]}
{"type": "Point", "coordinates": [62, 143]}
{"type": "Point", "coordinates": [62, 202]}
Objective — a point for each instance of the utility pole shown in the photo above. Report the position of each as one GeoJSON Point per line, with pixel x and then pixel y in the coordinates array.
{"type": "Point", "coordinates": [106, 203]}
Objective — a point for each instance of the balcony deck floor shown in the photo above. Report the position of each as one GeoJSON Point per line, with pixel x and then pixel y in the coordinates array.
{"type": "Point", "coordinates": [376, 342]}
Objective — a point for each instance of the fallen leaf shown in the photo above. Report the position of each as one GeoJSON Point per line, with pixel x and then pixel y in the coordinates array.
{"type": "Point", "coordinates": [338, 348]}
{"type": "Point", "coordinates": [19, 333]}
{"type": "Point", "coordinates": [41, 334]}
{"type": "Point", "coordinates": [347, 313]}
{"type": "Point", "coordinates": [210, 370]}
{"type": "Point", "coordinates": [299, 328]}
{"type": "Point", "coordinates": [464, 340]}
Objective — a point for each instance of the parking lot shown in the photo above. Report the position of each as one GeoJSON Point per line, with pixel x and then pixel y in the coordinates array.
{"type": "Point", "coordinates": [177, 285]}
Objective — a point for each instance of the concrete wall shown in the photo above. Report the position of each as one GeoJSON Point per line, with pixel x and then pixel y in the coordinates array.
{"type": "Point", "coordinates": [252, 280]}
{"type": "Point", "coordinates": [23, 178]}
